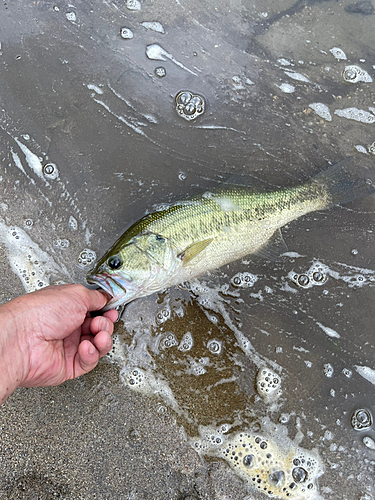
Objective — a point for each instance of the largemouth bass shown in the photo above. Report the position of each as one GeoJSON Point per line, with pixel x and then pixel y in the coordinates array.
{"type": "Point", "coordinates": [191, 237]}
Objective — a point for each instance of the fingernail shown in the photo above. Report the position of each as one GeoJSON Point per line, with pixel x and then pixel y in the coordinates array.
{"type": "Point", "coordinates": [105, 324]}
{"type": "Point", "coordinates": [92, 349]}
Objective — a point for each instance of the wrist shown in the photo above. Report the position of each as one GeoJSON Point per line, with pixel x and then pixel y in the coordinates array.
{"type": "Point", "coordinates": [11, 354]}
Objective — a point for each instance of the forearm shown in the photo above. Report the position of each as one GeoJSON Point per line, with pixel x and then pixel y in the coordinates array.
{"type": "Point", "coordinates": [11, 366]}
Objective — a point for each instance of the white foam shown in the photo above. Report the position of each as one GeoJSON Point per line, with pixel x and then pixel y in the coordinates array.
{"type": "Point", "coordinates": [354, 74]}
{"type": "Point", "coordinates": [369, 442]}
{"type": "Point", "coordinates": [133, 4]}
{"type": "Point", "coordinates": [153, 26]}
{"type": "Point", "coordinates": [359, 115]}
{"type": "Point", "coordinates": [321, 110]}
{"type": "Point", "coordinates": [366, 372]}
{"type": "Point", "coordinates": [32, 160]}
{"type": "Point", "coordinates": [284, 62]}
{"type": "Point", "coordinates": [95, 88]}
{"type": "Point", "coordinates": [267, 460]}
{"type": "Point", "coordinates": [155, 52]}
{"type": "Point", "coordinates": [287, 88]}
{"type": "Point", "coordinates": [361, 149]}
{"type": "Point", "coordinates": [268, 384]}
{"type": "Point", "coordinates": [328, 331]}
{"type": "Point", "coordinates": [338, 53]}
{"type": "Point", "coordinates": [31, 264]}
{"type": "Point", "coordinates": [297, 76]}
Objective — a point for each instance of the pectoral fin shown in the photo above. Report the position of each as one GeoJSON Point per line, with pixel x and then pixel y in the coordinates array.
{"type": "Point", "coordinates": [274, 247]}
{"type": "Point", "coordinates": [193, 250]}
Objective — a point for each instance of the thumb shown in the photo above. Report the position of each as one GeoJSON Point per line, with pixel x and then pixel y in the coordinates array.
{"type": "Point", "coordinates": [96, 300]}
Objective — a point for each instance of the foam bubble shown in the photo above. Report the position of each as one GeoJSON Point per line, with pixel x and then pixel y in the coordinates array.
{"type": "Point", "coordinates": [153, 26]}
{"type": "Point", "coordinates": [72, 223]}
{"type": "Point", "coordinates": [358, 115]}
{"type": "Point", "coordinates": [328, 370]}
{"type": "Point", "coordinates": [186, 343]}
{"type": "Point", "coordinates": [369, 442]}
{"type": "Point", "coordinates": [163, 315]}
{"type": "Point", "coordinates": [268, 460]}
{"type": "Point", "coordinates": [321, 110]}
{"type": "Point", "coordinates": [361, 419]}
{"type": "Point", "coordinates": [338, 53]}
{"type": "Point", "coordinates": [133, 4]}
{"type": "Point", "coordinates": [268, 384]}
{"type": "Point", "coordinates": [366, 372]}
{"type": "Point", "coordinates": [244, 280]}
{"type": "Point", "coordinates": [86, 258]}
{"type": "Point", "coordinates": [168, 340]}
{"type": "Point", "coordinates": [354, 74]}
{"type": "Point", "coordinates": [297, 76]}
{"type": "Point", "coordinates": [126, 34]}
{"type": "Point", "coordinates": [32, 265]}
{"type": "Point", "coordinates": [287, 88]}
{"type": "Point", "coordinates": [214, 346]}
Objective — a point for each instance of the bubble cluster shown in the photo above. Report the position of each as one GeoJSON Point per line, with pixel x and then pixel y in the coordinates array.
{"type": "Point", "coordinates": [160, 71]}
{"type": "Point", "coordinates": [316, 275]}
{"type": "Point", "coordinates": [275, 467]}
{"type": "Point", "coordinates": [198, 366]}
{"type": "Point", "coordinates": [186, 343]}
{"type": "Point", "coordinates": [189, 106]}
{"type": "Point", "coordinates": [361, 419]}
{"type": "Point", "coordinates": [354, 74]}
{"type": "Point", "coordinates": [32, 265]}
{"type": "Point", "coordinates": [61, 243]}
{"type": "Point", "coordinates": [328, 370]}
{"type": "Point", "coordinates": [72, 223]}
{"type": "Point", "coordinates": [126, 33]}
{"type": "Point", "coordinates": [168, 340]}
{"type": "Point", "coordinates": [163, 316]}
{"type": "Point", "coordinates": [71, 16]}
{"type": "Point", "coordinates": [134, 377]}
{"type": "Point", "coordinates": [214, 346]}
{"type": "Point", "coordinates": [86, 258]}
{"type": "Point", "coordinates": [371, 148]}
{"type": "Point", "coordinates": [133, 4]}
{"type": "Point", "coordinates": [268, 384]}
{"type": "Point", "coordinates": [369, 442]}
{"type": "Point", "coordinates": [358, 115]}
{"type": "Point", "coordinates": [50, 171]}
{"type": "Point", "coordinates": [244, 280]}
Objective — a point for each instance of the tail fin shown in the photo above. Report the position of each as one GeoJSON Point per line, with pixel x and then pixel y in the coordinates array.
{"type": "Point", "coordinates": [342, 184]}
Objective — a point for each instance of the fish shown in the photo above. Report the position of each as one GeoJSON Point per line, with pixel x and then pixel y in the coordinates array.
{"type": "Point", "coordinates": [186, 239]}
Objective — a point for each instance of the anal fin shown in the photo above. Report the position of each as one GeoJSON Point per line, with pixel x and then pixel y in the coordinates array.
{"type": "Point", "coordinates": [274, 247]}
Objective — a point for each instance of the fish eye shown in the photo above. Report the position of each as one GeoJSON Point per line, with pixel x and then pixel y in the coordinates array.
{"type": "Point", "coordinates": [114, 262]}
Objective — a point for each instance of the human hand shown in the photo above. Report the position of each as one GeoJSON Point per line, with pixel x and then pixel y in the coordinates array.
{"type": "Point", "coordinates": [50, 336]}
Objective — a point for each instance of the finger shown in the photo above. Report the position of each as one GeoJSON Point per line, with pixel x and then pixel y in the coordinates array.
{"type": "Point", "coordinates": [86, 359]}
{"type": "Point", "coordinates": [103, 343]}
{"type": "Point", "coordinates": [96, 300]}
{"type": "Point", "coordinates": [112, 315]}
{"type": "Point", "coordinates": [85, 329]}
{"type": "Point", "coordinates": [100, 323]}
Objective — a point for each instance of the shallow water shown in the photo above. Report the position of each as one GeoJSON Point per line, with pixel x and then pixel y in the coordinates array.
{"type": "Point", "coordinates": [92, 137]}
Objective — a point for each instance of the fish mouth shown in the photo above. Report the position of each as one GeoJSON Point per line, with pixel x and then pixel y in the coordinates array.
{"type": "Point", "coordinates": [115, 289]}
